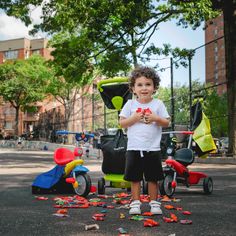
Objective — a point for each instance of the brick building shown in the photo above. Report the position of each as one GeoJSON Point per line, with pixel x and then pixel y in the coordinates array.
{"type": "Point", "coordinates": [215, 54]}
{"type": "Point", "coordinates": [50, 113]}
{"type": "Point", "coordinates": [20, 48]}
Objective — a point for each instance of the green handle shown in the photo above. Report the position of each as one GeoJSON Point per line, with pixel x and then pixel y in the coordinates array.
{"type": "Point", "coordinates": [110, 81]}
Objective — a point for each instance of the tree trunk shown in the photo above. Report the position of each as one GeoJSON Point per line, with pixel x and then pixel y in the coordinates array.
{"type": "Point", "coordinates": [230, 58]}
{"type": "Point", "coordinates": [17, 121]}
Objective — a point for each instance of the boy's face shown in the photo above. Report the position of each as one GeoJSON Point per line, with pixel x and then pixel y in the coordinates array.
{"type": "Point", "coordinates": [143, 88]}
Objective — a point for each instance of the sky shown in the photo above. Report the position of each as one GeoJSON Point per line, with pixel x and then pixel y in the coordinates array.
{"type": "Point", "coordinates": [168, 32]}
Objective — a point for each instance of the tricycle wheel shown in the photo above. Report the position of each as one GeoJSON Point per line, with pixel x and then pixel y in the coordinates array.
{"type": "Point", "coordinates": [84, 184]}
{"type": "Point", "coordinates": [208, 185]}
{"type": "Point", "coordinates": [101, 186]}
{"type": "Point", "coordinates": [166, 186]}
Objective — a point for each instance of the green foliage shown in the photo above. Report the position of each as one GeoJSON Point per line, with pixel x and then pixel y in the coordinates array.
{"type": "Point", "coordinates": [216, 110]}
{"type": "Point", "coordinates": [108, 35]}
{"type": "Point", "coordinates": [24, 82]}
{"type": "Point", "coordinates": [181, 101]}
{"type": "Point", "coordinates": [214, 106]}
{"type": "Point", "coordinates": [112, 118]}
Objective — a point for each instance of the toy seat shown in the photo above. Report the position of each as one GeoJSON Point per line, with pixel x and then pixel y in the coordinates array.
{"type": "Point", "coordinates": [185, 156]}
{"type": "Point", "coordinates": [114, 92]}
{"type": "Point", "coordinates": [62, 156]}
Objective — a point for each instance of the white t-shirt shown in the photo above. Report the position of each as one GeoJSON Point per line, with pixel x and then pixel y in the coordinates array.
{"type": "Point", "coordinates": [141, 136]}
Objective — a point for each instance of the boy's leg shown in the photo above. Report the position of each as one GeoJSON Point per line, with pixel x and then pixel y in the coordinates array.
{"type": "Point", "coordinates": [152, 190]}
{"type": "Point", "coordinates": [134, 173]}
{"type": "Point", "coordinates": [135, 204]}
{"type": "Point", "coordinates": [153, 173]}
{"type": "Point", "coordinates": [135, 190]}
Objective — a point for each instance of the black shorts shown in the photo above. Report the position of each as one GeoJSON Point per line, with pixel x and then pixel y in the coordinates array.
{"type": "Point", "coordinates": [148, 166]}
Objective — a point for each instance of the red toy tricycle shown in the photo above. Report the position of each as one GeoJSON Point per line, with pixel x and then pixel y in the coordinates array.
{"type": "Point", "coordinates": [176, 171]}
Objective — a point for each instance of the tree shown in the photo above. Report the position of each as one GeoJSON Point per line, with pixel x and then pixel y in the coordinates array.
{"type": "Point", "coordinates": [122, 29]}
{"type": "Point", "coordinates": [214, 106]}
{"type": "Point", "coordinates": [228, 8]}
{"type": "Point", "coordinates": [111, 34]}
{"type": "Point", "coordinates": [67, 93]}
{"type": "Point", "coordinates": [23, 82]}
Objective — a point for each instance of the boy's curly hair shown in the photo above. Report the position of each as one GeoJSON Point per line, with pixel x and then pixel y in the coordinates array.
{"type": "Point", "coordinates": [147, 72]}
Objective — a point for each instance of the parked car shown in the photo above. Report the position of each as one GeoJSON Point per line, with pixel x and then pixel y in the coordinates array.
{"type": "Point", "coordinates": [224, 144]}
{"type": "Point", "coordinates": [218, 146]}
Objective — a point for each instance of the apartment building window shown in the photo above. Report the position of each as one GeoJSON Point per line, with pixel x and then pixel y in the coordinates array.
{"type": "Point", "coordinates": [9, 55]}
{"type": "Point", "coordinates": [8, 125]}
{"type": "Point", "coordinates": [37, 51]}
{"type": "Point", "coordinates": [215, 32]}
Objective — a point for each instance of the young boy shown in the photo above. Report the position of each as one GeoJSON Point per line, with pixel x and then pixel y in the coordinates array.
{"type": "Point", "coordinates": [144, 118]}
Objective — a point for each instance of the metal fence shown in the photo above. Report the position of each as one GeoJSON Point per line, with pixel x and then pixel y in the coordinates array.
{"type": "Point", "coordinates": [99, 119]}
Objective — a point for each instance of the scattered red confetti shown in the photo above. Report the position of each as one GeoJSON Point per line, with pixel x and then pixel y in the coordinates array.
{"type": "Point", "coordinates": [99, 215]}
{"type": "Point", "coordinates": [42, 198]}
{"type": "Point", "coordinates": [169, 207]}
{"type": "Point", "coordinates": [174, 217]}
{"type": "Point", "coordinates": [186, 212]}
{"type": "Point", "coordinates": [186, 222]}
{"type": "Point", "coordinates": [150, 223]}
{"type": "Point", "coordinates": [148, 213]}
{"type": "Point", "coordinates": [98, 218]}
{"type": "Point", "coordinates": [167, 219]}
{"type": "Point", "coordinates": [179, 208]}
{"type": "Point", "coordinates": [62, 211]}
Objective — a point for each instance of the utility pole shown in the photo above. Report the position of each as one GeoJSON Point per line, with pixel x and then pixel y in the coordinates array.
{"type": "Point", "coordinates": [172, 95]}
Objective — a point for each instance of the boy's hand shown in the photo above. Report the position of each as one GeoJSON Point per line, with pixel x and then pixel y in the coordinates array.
{"type": "Point", "coordinates": [138, 116]}
{"type": "Point", "coordinates": [150, 117]}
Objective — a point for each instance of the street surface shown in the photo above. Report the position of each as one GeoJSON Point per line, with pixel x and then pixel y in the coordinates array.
{"type": "Point", "coordinates": [23, 215]}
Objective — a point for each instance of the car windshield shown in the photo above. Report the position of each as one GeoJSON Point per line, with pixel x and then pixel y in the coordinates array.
{"type": "Point", "coordinates": [224, 141]}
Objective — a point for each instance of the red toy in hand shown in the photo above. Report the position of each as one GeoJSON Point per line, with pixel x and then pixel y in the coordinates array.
{"type": "Point", "coordinates": [144, 111]}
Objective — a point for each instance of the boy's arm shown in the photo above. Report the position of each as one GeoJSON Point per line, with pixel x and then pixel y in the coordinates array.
{"type": "Point", "coordinates": [164, 122]}
{"type": "Point", "coordinates": [160, 121]}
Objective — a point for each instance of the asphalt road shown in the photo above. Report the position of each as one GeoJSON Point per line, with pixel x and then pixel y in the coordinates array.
{"type": "Point", "coordinates": [22, 214]}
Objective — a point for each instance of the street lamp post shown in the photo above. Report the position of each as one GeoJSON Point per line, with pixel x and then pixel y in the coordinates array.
{"type": "Point", "coordinates": [190, 90]}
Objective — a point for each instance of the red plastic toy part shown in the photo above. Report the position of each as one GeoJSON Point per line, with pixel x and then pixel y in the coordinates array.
{"type": "Point", "coordinates": [139, 110]}
{"type": "Point", "coordinates": [78, 152]}
{"type": "Point", "coordinates": [63, 156]}
{"type": "Point", "coordinates": [70, 180]}
{"type": "Point", "coordinates": [144, 111]}
{"type": "Point", "coordinates": [147, 111]}
{"type": "Point", "coordinates": [173, 184]}
{"type": "Point", "coordinates": [187, 132]}
{"type": "Point", "coordinates": [194, 177]}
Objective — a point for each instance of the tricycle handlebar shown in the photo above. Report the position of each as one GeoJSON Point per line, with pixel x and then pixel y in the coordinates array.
{"type": "Point", "coordinates": [110, 81]}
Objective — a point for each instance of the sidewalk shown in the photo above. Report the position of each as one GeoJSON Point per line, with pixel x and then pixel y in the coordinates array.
{"type": "Point", "coordinates": [94, 153]}
{"type": "Point", "coordinates": [216, 160]}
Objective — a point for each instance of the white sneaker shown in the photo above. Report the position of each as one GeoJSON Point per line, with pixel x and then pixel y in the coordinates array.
{"type": "Point", "coordinates": [155, 207]}
{"type": "Point", "coordinates": [135, 208]}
